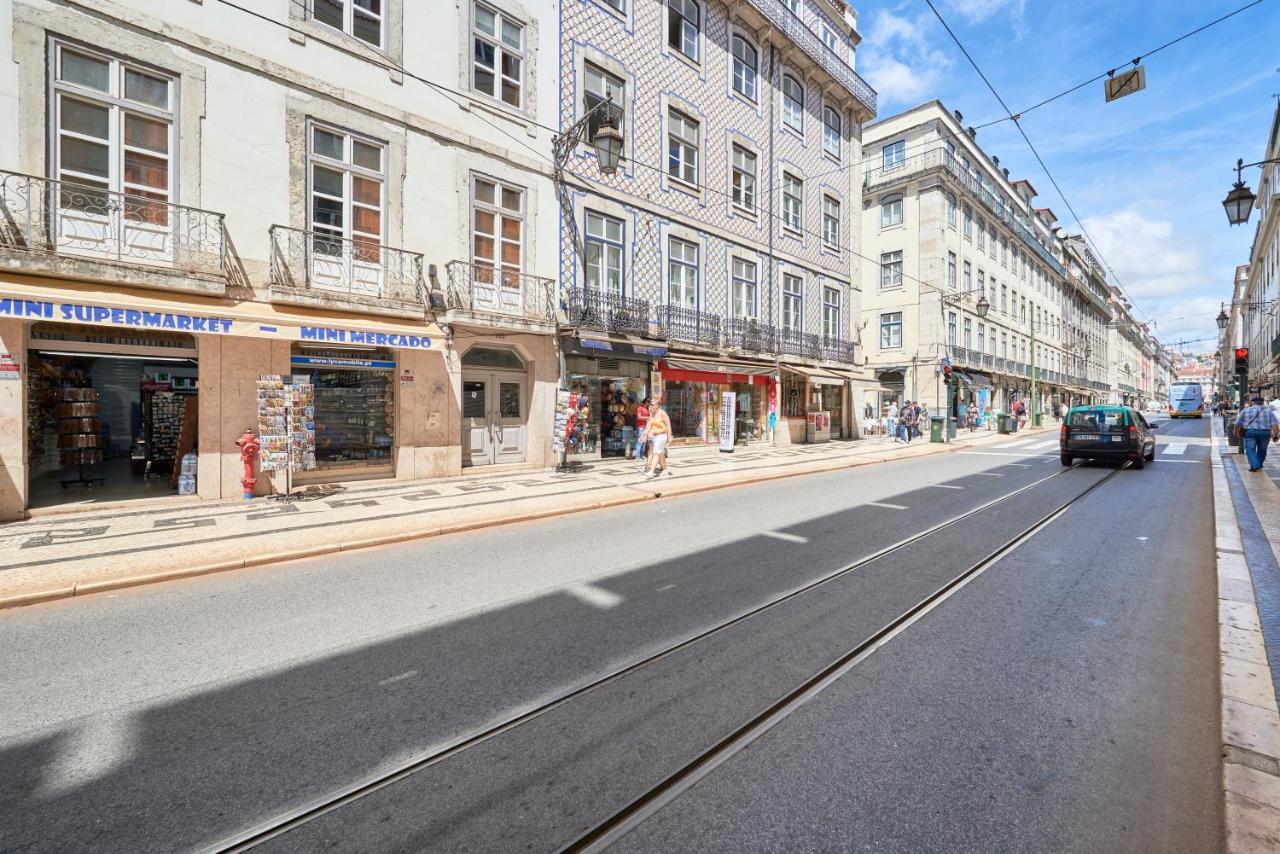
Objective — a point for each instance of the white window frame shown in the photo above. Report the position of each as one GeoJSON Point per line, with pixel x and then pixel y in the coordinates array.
{"type": "Point", "coordinates": [683, 147]}
{"type": "Point", "coordinates": [508, 278]}
{"type": "Point", "coordinates": [891, 264]}
{"type": "Point", "coordinates": [830, 222]}
{"type": "Point", "coordinates": [605, 247]}
{"type": "Point", "coordinates": [683, 273]}
{"type": "Point", "coordinates": [832, 135]}
{"type": "Point", "coordinates": [887, 208]}
{"type": "Point", "coordinates": [968, 333]}
{"type": "Point", "coordinates": [743, 183]}
{"type": "Point", "coordinates": [747, 73]}
{"type": "Point", "coordinates": [792, 202]}
{"type": "Point", "coordinates": [951, 210]}
{"type": "Point", "coordinates": [968, 221]}
{"type": "Point", "coordinates": [792, 108]}
{"type": "Point", "coordinates": [951, 270]}
{"type": "Point", "coordinates": [501, 49]}
{"type": "Point", "coordinates": [349, 14]}
{"type": "Point", "coordinates": [831, 310]}
{"type": "Point", "coordinates": [792, 303]}
{"type": "Point", "coordinates": [350, 172]}
{"type": "Point", "coordinates": [744, 290]}
{"type": "Point", "coordinates": [893, 155]}
{"type": "Point", "coordinates": [891, 330]}
{"type": "Point", "coordinates": [677, 12]}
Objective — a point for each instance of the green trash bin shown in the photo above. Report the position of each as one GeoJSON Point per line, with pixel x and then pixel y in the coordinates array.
{"type": "Point", "coordinates": [1004, 422]}
{"type": "Point", "coordinates": [936, 424]}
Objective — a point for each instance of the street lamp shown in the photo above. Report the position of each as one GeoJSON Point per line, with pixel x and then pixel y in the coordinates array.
{"type": "Point", "coordinates": [1239, 202]}
{"type": "Point", "coordinates": [983, 307]}
{"type": "Point", "coordinates": [1223, 320]}
{"type": "Point", "coordinates": [608, 145]}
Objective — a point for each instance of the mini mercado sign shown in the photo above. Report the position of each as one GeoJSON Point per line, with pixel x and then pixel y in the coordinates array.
{"type": "Point", "coordinates": [137, 318]}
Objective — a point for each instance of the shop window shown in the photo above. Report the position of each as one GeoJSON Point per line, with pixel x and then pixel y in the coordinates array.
{"type": "Point", "coordinates": [112, 130]}
{"type": "Point", "coordinates": [498, 62]}
{"type": "Point", "coordinates": [346, 193]}
{"type": "Point", "coordinates": [363, 19]}
{"type": "Point", "coordinates": [354, 399]}
{"type": "Point", "coordinates": [493, 357]}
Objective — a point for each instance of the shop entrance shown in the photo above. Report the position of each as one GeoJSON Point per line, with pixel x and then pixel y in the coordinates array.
{"type": "Point", "coordinates": [495, 413]}
{"type": "Point", "coordinates": [110, 416]}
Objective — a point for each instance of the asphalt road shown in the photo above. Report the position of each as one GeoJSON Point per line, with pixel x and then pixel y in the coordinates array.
{"type": "Point", "coordinates": [170, 717]}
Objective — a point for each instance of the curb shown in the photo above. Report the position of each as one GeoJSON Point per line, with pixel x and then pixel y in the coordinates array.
{"type": "Point", "coordinates": [88, 587]}
{"type": "Point", "coordinates": [1250, 718]}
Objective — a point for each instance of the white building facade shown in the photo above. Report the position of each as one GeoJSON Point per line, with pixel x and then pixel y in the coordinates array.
{"type": "Point", "coordinates": [1259, 311]}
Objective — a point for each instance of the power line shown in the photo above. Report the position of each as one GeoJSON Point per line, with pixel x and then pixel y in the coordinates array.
{"type": "Point", "coordinates": [1147, 55]}
{"type": "Point", "coordinates": [1018, 124]}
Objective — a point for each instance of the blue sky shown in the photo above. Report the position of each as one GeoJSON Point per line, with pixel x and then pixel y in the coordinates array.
{"type": "Point", "coordinates": [1147, 173]}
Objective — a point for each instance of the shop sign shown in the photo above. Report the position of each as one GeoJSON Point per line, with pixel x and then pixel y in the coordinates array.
{"type": "Point", "coordinates": [331, 362]}
{"type": "Point", "coordinates": [330, 335]}
{"type": "Point", "coordinates": [406, 377]}
{"type": "Point", "coordinates": [9, 369]}
{"type": "Point", "coordinates": [110, 316]}
{"type": "Point", "coordinates": [728, 400]}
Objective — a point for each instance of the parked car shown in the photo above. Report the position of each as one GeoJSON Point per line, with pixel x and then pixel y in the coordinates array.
{"type": "Point", "coordinates": [1107, 433]}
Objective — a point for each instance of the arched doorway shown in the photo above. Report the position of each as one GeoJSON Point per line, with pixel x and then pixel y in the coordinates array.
{"type": "Point", "coordinates": [495, 406]}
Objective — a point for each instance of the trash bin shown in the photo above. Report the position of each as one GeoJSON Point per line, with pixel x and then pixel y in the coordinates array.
{"type": "Point", "coordinates": [1228, 427]}
{"type": "Point", "coordinates": [936, 423]}
{"type": "Point", "coordinates": [1004, 423]}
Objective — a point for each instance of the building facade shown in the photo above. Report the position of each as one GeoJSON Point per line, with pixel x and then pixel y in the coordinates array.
{"type": "Point", "coordinates": [716, 268]}
{"type": "Point", "coordinates": [949, 226]}
{"type": "Point", "coordinates": [1259, 310]}
{"type": "Point", "coordinates": [195, 197]}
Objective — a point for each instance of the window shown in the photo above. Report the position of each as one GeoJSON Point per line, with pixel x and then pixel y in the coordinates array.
{"type": "Point", "coordinates": [497, 67]}
{"type": "Point", "coordinates": [744, 178]}
{"type": "Point", "coordinates": [982, 283]}
{"type": "Point", "coordinates": [891, 270]}
{"type": "Point", "coordinates": [831, 132]}
{"type": "Point", "coordinates": [1024, 310]}
{"type": "Point", "coordinates": [682, 147]}
{"type": "Point", "coordinates": [113, 130]}
{"type": "Point", "coordinates": [682, 273]}
{"type": "Point", "coordinates": [684, 21]}
{"type": "Point", "coordinates": [744, 289]}
{"type": "Point", "coordinates": [951, 210]}
{"type": "Point", "coordinates": [1004, 252]}
{"type": "Point", "coordinates": [599, 86]}
{"type": "Point", "coordinates": [968, 276]}
{"type": "Point", "coordinates": [982, 338]}
{"type": "Point", "coordinates": [1004, 345]}
{"type": "Point", "coordinates": [620, 5]}
{"type": "Point", "coordinates": [792, 201]}
{"type": "Point", "coordinates": [893, 155]}
{"type": "Point", "coordinates": [890, 330]}
{"type": "Point", "coordinates": [994, 241]}
{"type": "Point", "coordinates": [951, 329]}
{"type": "Point", "coordinates": [497, 231]}
{"type": "Point", "coordinates": [968, 333]}
{"type": "Point", "coordinates": [792, 103]}
{"type": "Point", "coordinates": [829, 38]}
{"type": "Point", "coordinates": [830, 222]}
{"type": "Point", "coordinates": [359, 18]}
{"type": "Point", "coordinates": [831, 314]}
{"type": "Point", "coordinates": [951, 270]}
{"type": "Point", "coordinates": [794, 5]}
{"type": "Point", "coordinates": [1004, 299]}
{"type": "Point", "coordinates": [346, 192]}
{"type": "Point", "coordinates": [891, 212]}
{"type": "Point", "coordinates": [603, 247]}
{"type": "Point", "coordinates": [950, 147]}
{"type": "Point", "coordinates": [746, 67]}
{"type": "Point", "coordinates": [792, 303]}
{"type": "Point", "coordinates": [968, 221]}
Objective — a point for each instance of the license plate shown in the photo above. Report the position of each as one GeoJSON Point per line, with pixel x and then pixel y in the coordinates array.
{"type": "Point", "coordinates": [1117, 438]}
{"type": "Point", "coordinates": [1087, 437]}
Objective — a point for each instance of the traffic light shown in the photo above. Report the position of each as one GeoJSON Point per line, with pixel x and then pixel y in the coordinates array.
{"type": "Point", "coordinates": [1242, 358]}
{"type": "Point", "coordinates": [946, 372]}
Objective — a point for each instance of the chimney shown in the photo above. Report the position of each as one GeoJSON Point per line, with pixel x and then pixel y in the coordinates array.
{"type": "Point", "coordinates": [959, 117]}
{"type": "Point", "coordinates": [973, 134]}
{"type": "Point", "coordinates": [1006, 173]}
{"type": "Point", "coordinates": [995, 160]}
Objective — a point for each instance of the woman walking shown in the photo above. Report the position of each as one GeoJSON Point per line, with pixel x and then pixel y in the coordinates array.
{"type": "Point", "coordinates": [659, 436]}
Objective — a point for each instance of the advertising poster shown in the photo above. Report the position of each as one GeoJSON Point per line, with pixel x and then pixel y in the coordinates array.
{"type": "Point", "coordinates": [560, 426]}
{"type": "Point", "coordinates": [728, 401]}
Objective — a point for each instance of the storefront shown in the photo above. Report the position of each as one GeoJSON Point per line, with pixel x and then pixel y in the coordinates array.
{"type": "Point", "coordinates": [810, 390]}
{"type": "Point", "coordinates": [355, 407]}
{"type": "Point", "coordinates": [604, 395]}
{"type": "Point", "coordinates": [109, 415]}
{"type": "Point", "coordinates": [694, 392]}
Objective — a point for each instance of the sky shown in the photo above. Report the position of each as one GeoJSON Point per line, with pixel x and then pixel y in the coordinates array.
{"type": "Point", "coordinates": [1146, 173]}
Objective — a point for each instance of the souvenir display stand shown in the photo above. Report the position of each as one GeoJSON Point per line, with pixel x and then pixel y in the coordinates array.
{"type": "Point", "coordinates": [79, 434]}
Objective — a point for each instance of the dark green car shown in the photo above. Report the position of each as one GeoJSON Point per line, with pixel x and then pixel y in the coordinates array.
{"type": "Point", "coordinates": [1106, 433]}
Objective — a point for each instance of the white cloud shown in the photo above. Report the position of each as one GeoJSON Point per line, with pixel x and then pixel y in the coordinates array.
{"type": "Point", "coordinates": [899, 60]}
{"type": "Point", "coordinates": [1152, 261]}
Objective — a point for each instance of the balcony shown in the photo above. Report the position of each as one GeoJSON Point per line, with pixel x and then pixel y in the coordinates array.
{"type": "Point", "coordinates": [838, 350]}
{"type": "Point", "coordinates": [792, 342]}
{"type": "Point", "coordinates": [482, 290]}
{"type": "Point", "coordinates": [783, 19]}
{"type": "Point", "coordinates": [318, 269]}
{"type": "Point", "coordinates": [689, 326]}
{"type": "Point", "coordinates": [78, 231]}
{"type": "Point", "coordinates": [751, 335]}
{"type": "Point", "coordinates": [606, 311]}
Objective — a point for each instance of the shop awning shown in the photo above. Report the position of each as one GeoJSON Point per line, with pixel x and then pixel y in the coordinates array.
{"type": "Point", "coordinates": [713, 371]}
{"type": "Point", "coordinates": [817, 375]}
{"type": "Point", "coordinates": [974, 380]}
{"type": "Point", "coordinates": [134, 308]}
{"type": "Point", "coordinates": [614, 346]}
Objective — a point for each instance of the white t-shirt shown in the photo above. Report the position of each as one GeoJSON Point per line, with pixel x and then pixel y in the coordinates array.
{"type": "Point", "coordinates": [893, 410]}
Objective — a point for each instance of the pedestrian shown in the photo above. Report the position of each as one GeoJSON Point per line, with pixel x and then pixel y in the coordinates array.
{"type": "Point", "coordinates": [891, 421]}
{"type": "Point", "coordinates": [867, 412]}
{"type": "Point", "coordinates": [971, 417]}
{"type": "Point", "coordinates": [659, 436]}
{"type": "Point", "coordinates": [1257, 425]}
{"type": "Point", "coordinates": [642, 428]}
{"type": "Point", "coordinates": [920, 414]}
{"type": "Point", "coordinates": [907, 424]}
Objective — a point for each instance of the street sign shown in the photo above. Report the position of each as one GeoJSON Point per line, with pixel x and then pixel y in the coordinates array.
{"type": "Point", "coordinates": [1125, 83]}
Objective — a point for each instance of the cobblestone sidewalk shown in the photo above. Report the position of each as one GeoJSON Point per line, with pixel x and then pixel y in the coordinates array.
{"type": "Point", "coordinates": [55, 556]}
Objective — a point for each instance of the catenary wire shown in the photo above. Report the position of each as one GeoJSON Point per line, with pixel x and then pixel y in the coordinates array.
{"type": "Point", "coordinates": [1139, 57]}
{"type": "Point", "coordinates": [1030, 145]}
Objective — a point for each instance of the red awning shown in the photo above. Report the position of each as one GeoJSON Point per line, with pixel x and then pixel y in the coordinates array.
{"type": "Point", "coordinates": [706, 371]}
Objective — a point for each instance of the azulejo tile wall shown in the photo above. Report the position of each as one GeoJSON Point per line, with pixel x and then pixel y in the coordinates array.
{"type": "Point", "coordinates": [633, 47]}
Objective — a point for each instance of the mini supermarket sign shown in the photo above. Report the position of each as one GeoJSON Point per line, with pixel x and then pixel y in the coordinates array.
{"type": "Point", "coordinates": [209, 324]}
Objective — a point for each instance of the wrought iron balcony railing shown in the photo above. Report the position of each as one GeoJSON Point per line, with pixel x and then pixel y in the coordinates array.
{"type": "Point", "coordinates": [793, 342]}
{"type": "Point", "coordinates": [790, 24]}
{"type": "Point", "coordinates": [325, 266]}
{"type": "Point", "coordinates": [838, 350]}
{"type": "Point", "coordinates": [689, 325]}
{"type": "Point", "coordinates": [606, 311]}
{"type": "Point", "coordinates": [483, 288]}
{"type": "Point", "coordinates": [751, 335]}
{"type": "Point", "coordinates": [62, 218]}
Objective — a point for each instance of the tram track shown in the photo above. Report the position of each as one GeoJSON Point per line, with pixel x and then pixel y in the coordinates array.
{"type": "Point", "coordinates": [605, 832]}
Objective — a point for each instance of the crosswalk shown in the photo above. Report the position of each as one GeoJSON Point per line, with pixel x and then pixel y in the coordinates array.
{"type": "Point", "coordinates": [1036, 444]}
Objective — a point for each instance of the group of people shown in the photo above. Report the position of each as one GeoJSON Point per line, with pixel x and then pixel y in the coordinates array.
{"type": "Point", "coordinates": [906, 423]}
{"type": "Point", "coordinates": [653, 425]}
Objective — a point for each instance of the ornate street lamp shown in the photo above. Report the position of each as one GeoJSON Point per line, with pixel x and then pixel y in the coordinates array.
{"type": "Point", "coordinates": [983, 306]}
{"type": "Point", "coordinates": [1239, 202]}
{"type": "Point", "coordinates": [1223, 320]}
{"type": "Point", "coordinates": [608, 145]}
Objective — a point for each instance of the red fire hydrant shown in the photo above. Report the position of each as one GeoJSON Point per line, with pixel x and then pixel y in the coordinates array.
{"type": "Point", "coordinates": [248, 445]}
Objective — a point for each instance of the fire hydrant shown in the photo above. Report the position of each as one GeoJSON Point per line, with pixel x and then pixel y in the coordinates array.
{"type": "Point", "coordinates": [248, 445]}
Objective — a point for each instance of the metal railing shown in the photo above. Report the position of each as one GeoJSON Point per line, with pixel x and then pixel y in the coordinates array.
{"type": "Point", "coordinates": [322, 265]}
{"type": "Point", "coordinates": [482, 288]}
{"type": "Point", "coordinates": [811, 43]}
{"type": "Point", "coordinates": [606, 311]}
{"type": "Point", "coordinates": [839, 350]}
{"type": "Point", "coordinates": [751, 335]}
{"type": "Point", "coordinates": [805, 345]}
{"type": "Point", "coordinates": [689, 325]}
{"type": "Point", "coordinates": [49, 216]}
